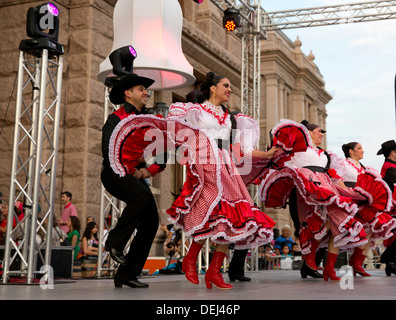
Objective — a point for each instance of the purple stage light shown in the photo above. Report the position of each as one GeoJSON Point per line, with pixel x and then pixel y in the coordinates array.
{"type": "Point", "coordinates": [53, 9]}
{"type": "Point", "coordinates": [132, 51]}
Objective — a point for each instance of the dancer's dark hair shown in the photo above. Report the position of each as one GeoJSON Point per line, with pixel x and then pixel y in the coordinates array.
{"type": "Point", "coordinates": [212, 79]}
{"type": "Point", "coordinates": [347, 147]}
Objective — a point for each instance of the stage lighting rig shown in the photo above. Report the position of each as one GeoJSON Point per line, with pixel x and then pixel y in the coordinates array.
{"type": "Point", "coordinates": [43, 27]}
{"type": "Point", "coordinates": [122, 61]}
{"type": "Point", "coordinates": [231, 19]}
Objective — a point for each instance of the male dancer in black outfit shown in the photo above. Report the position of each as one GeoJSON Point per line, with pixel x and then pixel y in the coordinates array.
{"type": "Point", "coordinates": [140, 211]}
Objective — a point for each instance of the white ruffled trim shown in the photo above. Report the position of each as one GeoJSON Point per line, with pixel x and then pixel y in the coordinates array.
{"type": "Point", "coordinates": [286, 122]}
{"type": "Point", "coordinates": [379, 179]}
{"type": "Point", "coordinates": [299, 184]}
{"type": "Point", "coordinates": [385, 227]}
{"type": "Point", "coordinates": [118, 135]}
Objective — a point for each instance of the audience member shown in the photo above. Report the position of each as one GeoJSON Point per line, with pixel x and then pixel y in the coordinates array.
{"type": "Point", "coordinates": [90, 242]}
{"type": "Point", "coordinates": [73, 236]}
{"type": "Point", "coordinates": [284, 238]}
{"type": "Point", "coordinates": [266, 254]}
{"type": "Point", "coordinates": [285, 251]}
{"type": "Point", "coordinates": [19, 210]}
{"type": "Point", "coordinates": [69, 210]}
{"type": "Point", "coordinates": [3, 225]}
{"type": "Point", "coordinates": [173, 243]}
{"type": "Point", "coordinates": [59, 237]}
{"type": "Point", "coordinates": [295, 249]}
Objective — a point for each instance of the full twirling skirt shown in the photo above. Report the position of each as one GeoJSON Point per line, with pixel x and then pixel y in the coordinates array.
{"type": "Point", "coordinates": [374, 200]}
{"type": "Point", "coordinates": [320, 207]}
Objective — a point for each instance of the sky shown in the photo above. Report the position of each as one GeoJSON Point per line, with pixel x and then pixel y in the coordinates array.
{"type": "Point", "coordinates": [358, 64]}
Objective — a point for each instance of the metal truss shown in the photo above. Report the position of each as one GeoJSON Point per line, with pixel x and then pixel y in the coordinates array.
{"type": "Point", "coordinates": [329, 15]}
{"type": "Point", "coordinates": [34, 163]}
{"type": "Point", "coordinates": [250, 32]}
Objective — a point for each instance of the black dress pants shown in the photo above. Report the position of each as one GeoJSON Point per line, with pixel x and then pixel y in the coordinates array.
{"type": "Point", "coordinates": [389, 255]}
{"type": "Point", "coordinates": [237, 264]}
{"type": "Point", "coordinates": [140, 213]}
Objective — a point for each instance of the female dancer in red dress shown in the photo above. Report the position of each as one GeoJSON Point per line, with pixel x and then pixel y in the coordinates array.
{"type": "Point", "coordinates": [233, 218]}
{"type": "Point", "coordinates": [371, 194]}
{"type": "Point", "coordinates": [325, 216]}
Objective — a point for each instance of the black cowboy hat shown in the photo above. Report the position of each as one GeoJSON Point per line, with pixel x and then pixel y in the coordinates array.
{"type": "Point", "coordinates": [387, 146]}
{"type": "Point", "coordinates": [125, 83]}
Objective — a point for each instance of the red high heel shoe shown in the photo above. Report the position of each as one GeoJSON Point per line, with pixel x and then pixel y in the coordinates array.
{"type": "Point", "coordinates": [328, 271]}
{"type": "Point", "coordinates": [189, 266]}
{"type": "Point", "coordinates": [213, 275]}
{"type": "Point", "coordinates": [356, 262]}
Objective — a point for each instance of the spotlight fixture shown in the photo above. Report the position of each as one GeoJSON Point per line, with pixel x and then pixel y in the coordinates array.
{"type": "Point", "coordinates": [122, 60]}
{"type": "Point", "coordinates": [42, 26]}
{"type": "Point", "coordinates": [199, 1]}
{"type": "Point", "coordinates": [43, 21]}
{"type": "Point", "coordinates": [231, 19]}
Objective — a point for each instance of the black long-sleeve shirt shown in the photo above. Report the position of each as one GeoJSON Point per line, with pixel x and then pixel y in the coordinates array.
{"type": "Point", "coordinates": [108, 128]}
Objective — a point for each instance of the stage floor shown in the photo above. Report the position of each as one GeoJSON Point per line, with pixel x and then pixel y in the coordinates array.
{"type": "Point", "coordinates": [265, 285]}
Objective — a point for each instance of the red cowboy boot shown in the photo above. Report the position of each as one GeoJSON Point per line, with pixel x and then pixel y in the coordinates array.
{"type": "Point", "coordinates": [356, 262]}
{"type": "Point", "coordinates": [213, 275]}
{"type": "Point", "coordinates": [310, 257]}
{"type": "Point", "coordinates": [189, 266]}
{"type": "Point", "coordinates": [328, 271]}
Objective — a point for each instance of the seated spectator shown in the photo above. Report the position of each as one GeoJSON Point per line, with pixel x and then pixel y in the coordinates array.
{"type": "Point", "coordinates": [266, 254]}
{"type": "Point", "coordinates": [295, 249]}
{"type": "Point", "coordinates": [90, 242]}
{"type": "Point", "coordinates": [285, 251]}
{"type": "Point", "coordinates": [173, 243]}
{"type": "Point", "coordinates": [59, 237]}
{"type": "Point", "coordinates": [284, 238]}
{"type": "Point", "coordinates": [73, 235]}
{"type": "Point", "coordinates": [19, 210]}
{"type": "Point", "coordinates": [89, 219]}
{"type": "Point", "coordinates": [3, 225]}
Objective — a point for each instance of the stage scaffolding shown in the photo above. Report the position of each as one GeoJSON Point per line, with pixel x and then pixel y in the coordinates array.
{"type": "Point", "coordinates": [34, 162]}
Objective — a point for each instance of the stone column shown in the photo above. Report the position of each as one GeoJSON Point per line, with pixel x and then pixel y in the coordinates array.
{"type": "Point", "coordinates": [272, 101]}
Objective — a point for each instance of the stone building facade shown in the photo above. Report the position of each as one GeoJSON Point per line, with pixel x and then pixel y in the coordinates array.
{"type": "Point", "coordinates": [291, 87]}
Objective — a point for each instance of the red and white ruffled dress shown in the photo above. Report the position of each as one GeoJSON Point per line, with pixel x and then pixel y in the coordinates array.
{"type": "Point", "coordinates": [372, 195]}
{"type": "Point", "coordinates": [214, 202]}
{"type": "Point", "coordinates": [217, 204]}
{"type": "Point", "coordinates": [318, 200]}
